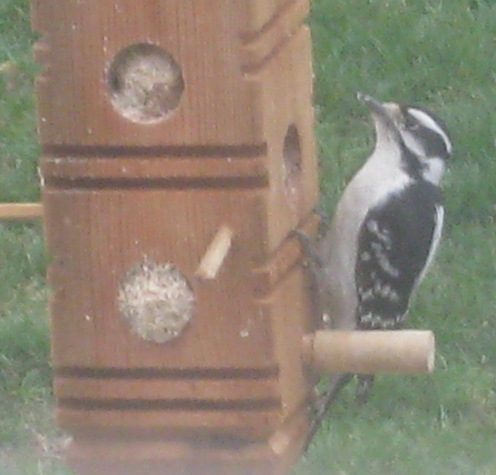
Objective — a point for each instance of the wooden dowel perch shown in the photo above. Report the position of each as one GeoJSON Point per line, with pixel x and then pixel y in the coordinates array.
{"type": "Point", "coordinates": [19, 211]}
{"type": "Point", "coordinates": [216, 254]}
{"type": "Point", "coordinates": [370, 352]}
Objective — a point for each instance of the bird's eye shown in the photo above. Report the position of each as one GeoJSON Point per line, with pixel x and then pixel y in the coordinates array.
{"type": "Point", "coordinates": [411, 123]}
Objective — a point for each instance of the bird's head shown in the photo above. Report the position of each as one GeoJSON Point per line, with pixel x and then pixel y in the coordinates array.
{"type": "Point", "coordinates": [419, 134]}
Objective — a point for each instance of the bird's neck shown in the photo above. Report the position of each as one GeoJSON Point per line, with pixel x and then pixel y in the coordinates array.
{"type": "Point", "coordinates": [387, 154]}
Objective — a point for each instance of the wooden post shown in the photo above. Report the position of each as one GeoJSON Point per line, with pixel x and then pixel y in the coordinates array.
{"type": "Point", "coordinates": [370, 352]}
{"type": "Point", "coordinates": [20, 211]}
{"type": "Point", "coordinates": [178, 155]}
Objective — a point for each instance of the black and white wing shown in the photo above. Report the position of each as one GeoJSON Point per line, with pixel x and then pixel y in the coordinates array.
{"type": "Point", "coordinates": [396, 244]}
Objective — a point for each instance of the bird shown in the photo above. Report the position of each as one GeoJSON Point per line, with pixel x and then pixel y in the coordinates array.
{"type": "Point", "coordinates": [386, 227]}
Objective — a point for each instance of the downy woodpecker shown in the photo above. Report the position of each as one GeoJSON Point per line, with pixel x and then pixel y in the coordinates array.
{"type": "Point", "coordinates": [386, 227]}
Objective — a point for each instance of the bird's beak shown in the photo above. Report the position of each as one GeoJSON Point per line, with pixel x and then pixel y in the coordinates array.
{"type": "Point", "coordinates": [384, 112]}
{"type": "Point", "coordinates": [374, 105]}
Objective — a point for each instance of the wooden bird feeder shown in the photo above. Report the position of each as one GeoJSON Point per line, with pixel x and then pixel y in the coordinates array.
{"type": "Point", "coordinates": [177, 157]}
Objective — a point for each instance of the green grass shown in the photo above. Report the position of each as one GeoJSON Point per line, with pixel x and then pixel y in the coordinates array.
{"type": "Point", "coordinates": [18, 147]}
{"type": "Point", "coordinates": [436, 53]}
{"type": "Point", "coordinates": [432, 53]}
{"type": "Point", "coordinates": [26, 424]}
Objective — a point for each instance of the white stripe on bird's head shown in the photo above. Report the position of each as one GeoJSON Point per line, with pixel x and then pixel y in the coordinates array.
{"type": "Point", "coordinates": [429, 122]}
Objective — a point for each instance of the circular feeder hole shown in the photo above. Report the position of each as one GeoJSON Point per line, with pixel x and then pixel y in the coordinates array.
{"type": "Point", "coordinates": [292, 158]}
{"type": "Point", "coordinates": [156, 301]}
{"type": "Point", "coordinates": [145, 83]}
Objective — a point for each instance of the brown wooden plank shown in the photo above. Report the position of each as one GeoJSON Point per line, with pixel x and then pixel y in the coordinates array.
{"type": "Point", "coordinates": [260, 45]}
{"type": "Point", "coordinates": [78, 57]}
{"type": "Point", "coordinates": [247, 425]}
{"type": "Point", "coordinates": [98, 236]}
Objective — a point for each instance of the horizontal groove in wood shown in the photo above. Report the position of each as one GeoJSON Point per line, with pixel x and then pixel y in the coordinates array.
{"type": "Point", "coordinates": [93, 404]}
{"type": "Point", "coordinates": [156, 151]}
{"type": "Point", "coordinates": [168, 373]}
{"type": "Point", "coordinates": [159, 168]}
{"type": "Point", "coordinates": [249, 183]}
{"type": "Point", "coordinates": [143, 389]}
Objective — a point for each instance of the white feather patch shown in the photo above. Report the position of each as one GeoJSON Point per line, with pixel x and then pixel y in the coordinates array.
{"type": "Point", "coordinates": [430, 123]}
{"type": "Point", "coordinates": [436, 238]}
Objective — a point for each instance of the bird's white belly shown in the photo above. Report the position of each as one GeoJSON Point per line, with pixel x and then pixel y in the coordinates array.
{"type": "Point", "coordinates": [364, 191]}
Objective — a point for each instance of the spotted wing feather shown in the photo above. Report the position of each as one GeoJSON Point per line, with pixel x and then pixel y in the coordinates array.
{"type": "Point", "coordinates": [395, 246]}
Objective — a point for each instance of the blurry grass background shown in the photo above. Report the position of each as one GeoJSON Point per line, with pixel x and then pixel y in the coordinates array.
{"type": "Point", "coordinates": [436, 53]}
